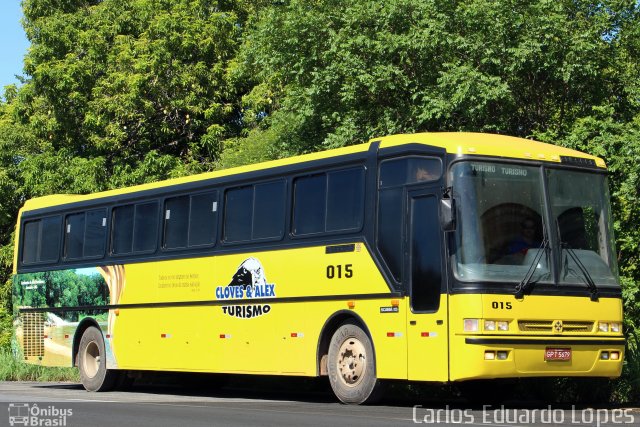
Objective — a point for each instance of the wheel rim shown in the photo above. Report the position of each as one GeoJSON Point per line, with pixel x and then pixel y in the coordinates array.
{"type": "Point", "coordinates": [91, 359]}
{"type": "Point", "coordinates": [352, 362]}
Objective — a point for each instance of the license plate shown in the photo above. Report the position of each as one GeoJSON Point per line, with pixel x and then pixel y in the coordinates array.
{"type": "Point", "coordinates": [557, 354]}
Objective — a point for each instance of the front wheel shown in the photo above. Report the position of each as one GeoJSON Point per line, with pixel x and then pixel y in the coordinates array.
{"type": "Point", "coordinates": [352, 366]}
{"type": "Point", "coordinates": [92, 362]}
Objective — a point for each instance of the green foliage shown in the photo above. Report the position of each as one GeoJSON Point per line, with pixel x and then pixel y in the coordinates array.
{"type": "Point", "coordinates": [628, 387]}
{"type": "Point", "coordinates": [126, 91]}
{"type": "Point", "coordinates": [336, 74]}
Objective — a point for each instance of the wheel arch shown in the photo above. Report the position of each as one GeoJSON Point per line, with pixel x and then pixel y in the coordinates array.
{"type": "Point", "coordinates": [329, 328]}
{"type": "Point", "coordinates": [86, 323]}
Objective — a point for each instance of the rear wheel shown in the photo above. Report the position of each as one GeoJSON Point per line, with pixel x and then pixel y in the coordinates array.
{"type": "Point", "coordinates": [92, 362]}
{"type": "Point", "coordinates": [351, 366]}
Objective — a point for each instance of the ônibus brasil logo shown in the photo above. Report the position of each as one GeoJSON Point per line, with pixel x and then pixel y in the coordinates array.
{"type": "Point", "coordinates": [33, 415]}
{"type": "Point", "coordinates": [249, 282]}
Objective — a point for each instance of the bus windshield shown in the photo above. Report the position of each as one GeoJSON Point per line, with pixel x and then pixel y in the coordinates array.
{"type": "Point", "coordinates": [502, 227]}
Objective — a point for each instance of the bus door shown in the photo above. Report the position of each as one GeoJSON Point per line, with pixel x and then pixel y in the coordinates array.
{"type": "Point", "coordinates": [427, 336]}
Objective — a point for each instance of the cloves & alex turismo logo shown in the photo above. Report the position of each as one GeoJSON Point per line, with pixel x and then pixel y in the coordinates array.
{"type": "Point", "coordinates": [249, 282]}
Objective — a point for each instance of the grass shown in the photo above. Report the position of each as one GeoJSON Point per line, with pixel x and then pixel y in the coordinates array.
{"type": "Point", "coordinates": [12, 369]}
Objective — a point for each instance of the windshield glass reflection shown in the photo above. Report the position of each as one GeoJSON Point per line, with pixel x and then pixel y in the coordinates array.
{"type": "Point", "coordinates": [501, 224]}
{"type": "Point", "coordinates": [500, 227]}
{"type": "Point", "coordinates": [579, 203]}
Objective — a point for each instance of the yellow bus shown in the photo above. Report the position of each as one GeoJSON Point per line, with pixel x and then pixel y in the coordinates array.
{"type": "Point", "coordinates": [422, 257]}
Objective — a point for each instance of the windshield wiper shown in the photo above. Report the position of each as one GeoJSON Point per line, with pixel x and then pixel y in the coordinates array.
{"type": "Point", "coordinates": [593, 289]}
{"type": "Point", "coordinates": [526, 281]}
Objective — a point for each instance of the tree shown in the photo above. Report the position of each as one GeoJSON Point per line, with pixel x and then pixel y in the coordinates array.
{"type": "Point", "coordinates": [126, 91]}
{"type": "Point", "coordinates": [328, 74]}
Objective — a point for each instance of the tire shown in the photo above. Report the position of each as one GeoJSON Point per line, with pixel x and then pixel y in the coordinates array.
{"type": "Point", "coordinates": [352, 366]}
{"type": "Point", "coordinates": [92, 362]}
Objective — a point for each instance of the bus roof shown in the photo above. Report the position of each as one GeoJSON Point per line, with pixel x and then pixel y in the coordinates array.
{"type": "Point", "coordinates": [461, 143]}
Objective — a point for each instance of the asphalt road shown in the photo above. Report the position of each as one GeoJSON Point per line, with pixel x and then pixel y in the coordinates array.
{"type": "Point", "coordinates": [251, 404]}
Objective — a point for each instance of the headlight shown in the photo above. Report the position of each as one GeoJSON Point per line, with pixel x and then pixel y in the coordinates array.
{"type": "Point", "coordinates": [471, 325]}
{"type": "Point", "coordinates": [489, 325]}
{"type": "Point", "coordinates": [615, 327]}
{"type": "Point", "coordinates": [503, 326]}
{"type": "Point", "coordinates": [603, 327]}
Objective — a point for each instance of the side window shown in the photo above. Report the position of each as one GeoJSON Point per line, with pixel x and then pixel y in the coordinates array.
{"type": "Point", "coordinates": [134, 228]}
{"type": "Point", "coordinates": [190, 221]}
{"type": "Point", "coordinates": [122, 237]}
{"type": "Point", "coordinates": [394, 175]}
{"type": "Point", "coordinates": [255, 212]}
{"type": "Point", "coordinates": [74, 236]}
{"type": "Point", "coordinates": [309, 204]}
{"type": "Point", "coordinates": [268, 210]}
{"type": "Point", "coordinates": [84, 234]}
{"type": "Point", "coordinates": [176, 222]}
{"type": "Point", "coordinates": [203, 219]}
{"type": "Point", "coordinates": [31, 242]}
{"type": "Point", "coordinates": [409, 170]}
{"type": "Point", "coordinates": [345, 199]}
{"type": "Point", "coordinates": [329, 202]}
{"type": "Point", "coordinates": [95, 233]}
{"type": "Point", "coordinates": [51, 237]}
{"type": "Point", "coordinates": [390, 223]}
{"type": "Point", "coordinates": [237, 214]}
{"type": "Point", "coordinates": [41, 240]}
{"type": "Point", "coordinates": [145, 227]}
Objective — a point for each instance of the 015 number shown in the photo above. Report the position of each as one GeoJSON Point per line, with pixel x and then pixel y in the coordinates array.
{"type": "Point", "coordinates": [339, 271]}
{"type": "Point", "coordinates": [500, 305]}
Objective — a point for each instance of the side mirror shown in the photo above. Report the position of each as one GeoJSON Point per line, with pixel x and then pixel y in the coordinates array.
{"type": "Point", "coordinates": [448, 214]}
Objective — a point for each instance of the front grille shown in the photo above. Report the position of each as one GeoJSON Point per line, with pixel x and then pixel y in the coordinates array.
{"type": "Point", "coordinates": [33, 327]}
{"type": "Point", "coordinates": [535, 325]}
{"type": "Point", "coordinates": [568, 326]}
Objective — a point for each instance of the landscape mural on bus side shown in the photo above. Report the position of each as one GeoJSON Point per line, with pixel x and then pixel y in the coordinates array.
{"type": "Point", "coordinates": [84, 287]}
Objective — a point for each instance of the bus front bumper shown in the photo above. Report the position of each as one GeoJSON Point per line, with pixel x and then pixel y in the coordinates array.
{"type": "Point", "coordinates": [479, 357]}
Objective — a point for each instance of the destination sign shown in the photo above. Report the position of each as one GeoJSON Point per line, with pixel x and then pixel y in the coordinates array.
{"type": "Point", "coordinates": [499, 169]}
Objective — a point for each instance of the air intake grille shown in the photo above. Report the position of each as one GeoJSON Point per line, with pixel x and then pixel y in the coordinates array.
{"type": "Point", "coordinates": [534, 326]}
{"type": "Point", "coordinates": [578, 326]}
{"type": "Point", "coordinates": [33, 325]}
{"type": "Point", "coordinates": [568, 326]}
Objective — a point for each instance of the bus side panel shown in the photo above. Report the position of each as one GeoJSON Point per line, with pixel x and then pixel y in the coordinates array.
{"type": "Point", "coordinates": [279, 337]}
